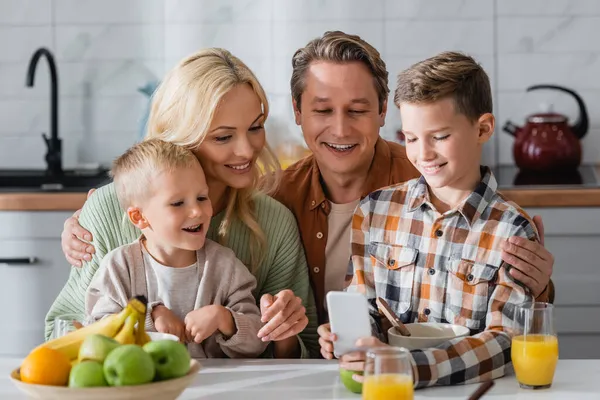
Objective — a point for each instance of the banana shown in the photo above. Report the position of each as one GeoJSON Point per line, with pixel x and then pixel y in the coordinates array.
{"type": "Point", "coordinates": [126, 334]}
{"type": "Point", "coordinates": [139, 303]}
{"type": "Point", "coordinates": [141, 337]}
{"type": "Point", "coordinates": [70, 343]}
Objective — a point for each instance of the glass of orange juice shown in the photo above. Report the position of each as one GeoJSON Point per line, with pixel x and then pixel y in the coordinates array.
{"type": "Point", "coordinates": [388, 374]}
{"type": "Point", "coordinates": [534, 345]}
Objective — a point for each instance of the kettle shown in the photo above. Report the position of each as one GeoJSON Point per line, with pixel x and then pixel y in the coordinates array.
{"type": "Point", "coordinates": [547, 142]}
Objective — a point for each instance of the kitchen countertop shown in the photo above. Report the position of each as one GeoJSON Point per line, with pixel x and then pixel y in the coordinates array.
{"type": "Point", "coordinates": [41, 201]}
{"type": "Point", "coordinates": [524, 197]}
{"type": "Point", "coordinates": [571, 197]}
{"type": "Point", "coordinates": [318, 379]}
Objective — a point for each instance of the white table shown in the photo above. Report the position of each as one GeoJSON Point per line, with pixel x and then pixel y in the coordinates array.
{"type": "Point", "coordinates": [318, 379]}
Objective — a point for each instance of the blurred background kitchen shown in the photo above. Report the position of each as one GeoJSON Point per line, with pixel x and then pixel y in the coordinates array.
{"type": "Point", "coordinates": [110, 54]}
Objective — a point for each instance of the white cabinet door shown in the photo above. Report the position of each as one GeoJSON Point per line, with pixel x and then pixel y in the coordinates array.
{"type": "Point", "coordinates": [27, 289]}
{"type": "Point", "coordinates": [573, 237]}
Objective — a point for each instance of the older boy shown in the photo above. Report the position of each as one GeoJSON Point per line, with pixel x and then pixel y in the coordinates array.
{"type": "Point", "coordinates": [432, 247]}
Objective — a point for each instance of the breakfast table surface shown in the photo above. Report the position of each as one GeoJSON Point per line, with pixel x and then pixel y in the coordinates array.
{"type": "Point", "coordinates": [318, 379]}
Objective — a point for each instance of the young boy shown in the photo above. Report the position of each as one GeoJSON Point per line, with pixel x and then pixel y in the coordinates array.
{"type": "Point", "coordinates": [196, 289]}
{"type": "Point", "coordinates": [431, 247]}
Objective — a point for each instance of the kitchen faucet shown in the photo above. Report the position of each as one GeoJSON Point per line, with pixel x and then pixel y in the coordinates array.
{"type": "Point", "coordinates": [53, 143]}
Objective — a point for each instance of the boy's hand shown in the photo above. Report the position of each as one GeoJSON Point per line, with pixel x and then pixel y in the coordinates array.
{"type": "Point", "coordinates": [326, 339]}
{"type": "Point", "coordinates": [355, 361]}
{"type": "Point", "coordinates": [205, 321]}
{"type": "Point", "coordinates": [165, 321]}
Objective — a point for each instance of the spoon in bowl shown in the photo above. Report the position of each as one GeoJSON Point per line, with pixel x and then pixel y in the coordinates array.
{"type": "Point", "coordinates": [392, 317]}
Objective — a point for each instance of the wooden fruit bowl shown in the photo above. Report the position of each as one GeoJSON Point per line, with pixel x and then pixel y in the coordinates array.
{"type": "Point", "coordinates": [164, 390]}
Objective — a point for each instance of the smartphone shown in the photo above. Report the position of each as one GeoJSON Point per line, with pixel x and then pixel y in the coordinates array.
{"type": "Point", "coordinates": [349, 320]}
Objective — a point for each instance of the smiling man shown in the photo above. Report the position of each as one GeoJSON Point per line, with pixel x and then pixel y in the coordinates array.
{"type": "Point", "coordinates": [339, 91]}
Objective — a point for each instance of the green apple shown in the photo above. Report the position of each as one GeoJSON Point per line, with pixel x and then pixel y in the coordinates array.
{"type": "Point", "coordinates": [96, 347]}
{"type": "Point", "coordinates": [128, 365]}
{"type": "Point", "coordinates": [351, 384]}
{"type": "Point", "coordinates": [87, 374]}
{"type": "Point", "coordinates": [171, 359]}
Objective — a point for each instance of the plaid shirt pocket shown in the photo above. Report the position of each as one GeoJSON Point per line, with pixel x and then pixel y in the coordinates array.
{"type": "Point", "coordinates": [393, 273]}
{"type": "Point", "coordinates": [470, 285]}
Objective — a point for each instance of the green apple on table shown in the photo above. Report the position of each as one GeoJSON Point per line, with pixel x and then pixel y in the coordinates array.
{"type": "Point", "coordinates": [171, 359]}
{"type": "Point", "coordinates": [96, 347]}
{"type": "Point", "coordinates": [351, 384]}
{"type": "Point", "coordinates": [128, 365]}
{"type": "Point", "coordinates": [87, 374]}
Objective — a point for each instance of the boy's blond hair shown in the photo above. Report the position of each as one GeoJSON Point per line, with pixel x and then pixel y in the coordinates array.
{"type": "Point", "coordinates": [134, 171]}
{"type": "Point", "coordinates": [340, 48]}
{"type": "Point", "coordinates": [447, 75]}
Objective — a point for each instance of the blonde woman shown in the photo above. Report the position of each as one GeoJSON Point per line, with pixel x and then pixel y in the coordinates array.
{"type": "Point", "coordinates": [212, 104]}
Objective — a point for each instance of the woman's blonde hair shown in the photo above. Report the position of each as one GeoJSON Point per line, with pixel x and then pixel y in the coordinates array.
{"type": "Point", "coordinates": [182, 111]}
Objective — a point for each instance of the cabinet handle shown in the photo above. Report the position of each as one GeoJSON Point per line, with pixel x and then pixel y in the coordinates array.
{"type": "Point", "coordinates": [18, 260]}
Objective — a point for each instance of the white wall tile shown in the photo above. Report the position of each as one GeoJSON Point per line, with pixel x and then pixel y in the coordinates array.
{"type": "Point", "coordinates": [22, 152]}
{"type": "Point", "coordinates": [19, 43]}
{"type": "Point", "coordinates": [25, 12]}
{"type": "Point", "coordinates": [108, 11]}
{"type": "Point", "coordinates": [426, 38]}
{"type": "Point", "coordinates": [102, 113]}
{"type": "Point", "coordinates": [548, 35]}
{"type": "Point", "coordinates": [122, 77]}
{"type": "Point", "coordinates": [218, 11]}
{"type": "Point", "coordinates": [282, 73]}
{"type": "Point", "coordinates": [12, 81]}
{"type": "Point", "coordinates": [538, 8]}
{"type": "Point", "coordinates": [24, 116]}
{"type": "Point", "coordinates": [577, 70]}
{"type": "Point", "coordinates": [281, 125]}
{"type": "Point", "coordinates": [109, 42]}
{"type": "Point", "coordinates": [328, 10]}
{"type": "Point", "coordinates": [244, 40]}
{"type": "Point", "coordinates": [289, 36]}
{"type": "Point", "coordinates": [438, 9]}
{"type": "Point", "coordinates": [104, 147]}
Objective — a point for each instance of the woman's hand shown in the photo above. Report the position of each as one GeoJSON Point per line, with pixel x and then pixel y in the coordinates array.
{"type": "Point", "coordinates": [284, 314]}
{"type": "Point", "coordinates": [76, 250]}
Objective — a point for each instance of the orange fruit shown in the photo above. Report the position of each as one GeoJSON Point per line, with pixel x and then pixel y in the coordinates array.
{"type": "Point", "coordinates": [45, 366]}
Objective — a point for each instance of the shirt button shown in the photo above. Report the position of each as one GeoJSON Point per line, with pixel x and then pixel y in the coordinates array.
{"type": "Point", "coordinates": [427, 311]}
{"type": "Point", "coordinates": [316, 270]}
{"type": "Point", "coordinates": [431, 271]}
{"type": "Point", "coordinates": [470, 277]}
{"type": "Point", "coordinates": [319, 235]}
{"type": "Point", "coordinates": [322, 205]}
{"type": "Point", "coordinates": [439, 233]}
{"type": "Point", "coordinates": [312, 203]}
{"type": "Point", "coordinates": [392, 262]}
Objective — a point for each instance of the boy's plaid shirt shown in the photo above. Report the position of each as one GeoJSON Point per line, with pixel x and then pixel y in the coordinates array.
{"type": "Point", "coordinates": [443, 268]}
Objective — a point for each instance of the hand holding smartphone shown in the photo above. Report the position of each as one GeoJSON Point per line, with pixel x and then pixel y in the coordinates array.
{"type": "Point", "coordinates": [349, 320]}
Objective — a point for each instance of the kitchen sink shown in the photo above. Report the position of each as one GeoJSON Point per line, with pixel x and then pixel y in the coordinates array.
{"type": "Point", "coordinates": [71, 180]}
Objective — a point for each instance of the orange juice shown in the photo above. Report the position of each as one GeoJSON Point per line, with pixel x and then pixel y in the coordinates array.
{"type": "Point", "coordinates": [534, 358]}
{"type": "Point", "coordinates": [388, 386]}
